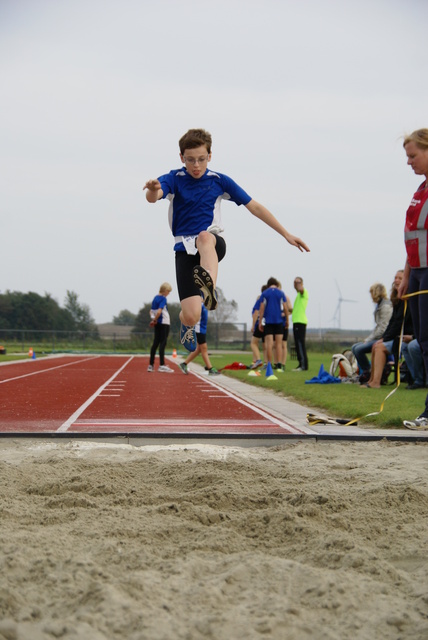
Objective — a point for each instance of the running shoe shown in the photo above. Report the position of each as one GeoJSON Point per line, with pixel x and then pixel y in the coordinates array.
{"type": "Point", "coordinates": [183, 367]}
{"type": "Point", "coordinates": [256, 364]}
{"type": "Point", "coordinates": [165, 369]}
{"type": "Point", "coordinates": [150, 368]}
{"type": "Point", "coordinates": [213, 372]}
{"type": "Point", "coordinates": [188, 337]}
{"type": "Point", "coordinates": [204, 281]}
{"type": "Point", "coordinates": [420, 423]}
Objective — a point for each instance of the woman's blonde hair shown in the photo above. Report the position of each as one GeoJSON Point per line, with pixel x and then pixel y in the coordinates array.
{"type": "Point", "coordinates": [378, 291]}
{"type": "Point", "coordinates": [419, 137]}
{"type": "Point", "coordinates": [165, 287]}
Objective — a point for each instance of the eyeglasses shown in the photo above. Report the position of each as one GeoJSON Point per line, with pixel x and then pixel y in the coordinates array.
{"type": "Point", "coordinates": [196, 160]}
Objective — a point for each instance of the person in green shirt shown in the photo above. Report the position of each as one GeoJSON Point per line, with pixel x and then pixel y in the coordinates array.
{"type": "Point", "coordinates": [299, 324]}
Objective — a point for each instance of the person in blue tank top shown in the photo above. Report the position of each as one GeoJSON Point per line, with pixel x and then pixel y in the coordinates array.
{"type": "Point", "coordinates": [195, 193]}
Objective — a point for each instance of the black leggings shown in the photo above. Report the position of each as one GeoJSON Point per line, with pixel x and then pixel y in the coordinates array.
{"type": "Point", "coordinates": [161, 336]}
{"type": "Point", "coordinates": [418, 281]}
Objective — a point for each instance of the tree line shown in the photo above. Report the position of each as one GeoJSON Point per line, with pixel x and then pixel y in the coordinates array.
{"type": "Point", "coordinates": [33, 312]}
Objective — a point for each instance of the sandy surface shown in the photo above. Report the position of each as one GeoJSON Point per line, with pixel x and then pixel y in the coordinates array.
{"type": "Point", "coordinates": [306, 540]}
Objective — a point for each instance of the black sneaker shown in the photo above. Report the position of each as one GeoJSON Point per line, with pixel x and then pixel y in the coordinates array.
{"type": "Point", "coordinates": [204, 281]}
{"type": "Point", "coordinates": [183, 367]}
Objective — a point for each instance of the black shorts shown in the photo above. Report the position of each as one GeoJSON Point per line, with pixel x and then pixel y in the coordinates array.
{"type": "Point", "coordinates": [184, 264]}
{"type": "Point", "coordinates": [274, 329]}
{"type": "Point", "coordinates": [201, 338]}
{"type": "Point", "coordinates": [258, 334]}
{"type": "Point", "coordinates": [285, 335]}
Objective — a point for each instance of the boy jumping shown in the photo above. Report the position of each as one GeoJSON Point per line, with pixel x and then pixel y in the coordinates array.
{"type": "Point", "coordinates": [195, 193]}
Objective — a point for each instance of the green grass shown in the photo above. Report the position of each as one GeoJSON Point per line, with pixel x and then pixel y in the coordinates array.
{"type": "Point", "coordinates": [338, 400]}
{"type": "Point", "coordinates": [12, 357]}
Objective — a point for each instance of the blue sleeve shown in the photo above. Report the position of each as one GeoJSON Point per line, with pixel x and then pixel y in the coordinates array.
{"type": "Point", "coordinates": [167, 183]}
{"type": "Point", "coordinates": [234, 191]}
{"type": "Point", "coordinates": [159, 302]}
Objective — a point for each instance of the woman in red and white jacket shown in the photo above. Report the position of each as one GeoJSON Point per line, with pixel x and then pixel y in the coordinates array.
{"type": "Point", "coordinates": [416, 240]}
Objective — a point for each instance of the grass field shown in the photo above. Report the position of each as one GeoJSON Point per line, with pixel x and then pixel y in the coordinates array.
{"type": "Point", "coordinates": [339, 400]}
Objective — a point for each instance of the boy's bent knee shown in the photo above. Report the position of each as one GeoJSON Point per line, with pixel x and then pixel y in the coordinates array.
{"type": "Point", "coordinates": [205, 238]}
{"type": "Point", "coordinates": [190, 317]}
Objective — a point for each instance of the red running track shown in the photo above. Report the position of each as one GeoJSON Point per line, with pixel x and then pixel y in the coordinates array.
{"type": "Point", "coordinates": [116, 394]}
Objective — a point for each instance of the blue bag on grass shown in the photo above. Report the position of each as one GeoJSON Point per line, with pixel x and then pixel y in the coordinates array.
{"type": "Point", "coordinates": [323, 377]}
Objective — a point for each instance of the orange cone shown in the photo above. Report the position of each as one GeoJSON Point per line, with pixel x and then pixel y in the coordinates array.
{"type": "Point", "coordinates": [174, 353]}
{"type": "Point", "coordinates": [30, 352]}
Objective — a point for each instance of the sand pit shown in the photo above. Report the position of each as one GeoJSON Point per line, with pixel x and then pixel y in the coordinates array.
{"type": "Point", "coordinates": [309, 540]}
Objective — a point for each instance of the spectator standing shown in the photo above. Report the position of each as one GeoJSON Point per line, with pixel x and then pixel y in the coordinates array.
{"type": "Point", "coordinates": [286, 329]}
{"type": "Point", "coordinates": [415, 280]}
{"type": "Point", "coordinates": [272, 309]}
{"type": "Point", "coordinates": [300, 322]}
{"type": "Point", "coordinates": [160, 320]}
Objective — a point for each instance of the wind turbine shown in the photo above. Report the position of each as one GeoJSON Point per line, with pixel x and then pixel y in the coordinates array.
{"type": "Point", "coordinates": [337, 314]}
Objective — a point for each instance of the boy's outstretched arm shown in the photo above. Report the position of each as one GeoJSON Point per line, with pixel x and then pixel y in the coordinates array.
{"type": "Point", "coordinates": [268, 218]}
{"type": "Point", "coordinates": [154, 191]}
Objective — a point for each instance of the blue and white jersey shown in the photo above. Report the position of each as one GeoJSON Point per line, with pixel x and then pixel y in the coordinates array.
{"type": "Point", "coordinates": [273, 299]}
{"type": "Point", "coordinates": [201, 326]}
{"type": "Point", "coordinates": [159, 302]}
{"type": "Point", "coordinates": [194, 203]}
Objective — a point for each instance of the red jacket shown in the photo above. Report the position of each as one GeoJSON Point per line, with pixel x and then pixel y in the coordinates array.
{"type": "Point", "coordinates": [416, 229]}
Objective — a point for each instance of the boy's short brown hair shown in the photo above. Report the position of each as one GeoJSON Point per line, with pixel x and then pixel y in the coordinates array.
{"type": "Point", "coordinates": [272, 282]}
{"type": "Point", "coordinates": [195, 138]}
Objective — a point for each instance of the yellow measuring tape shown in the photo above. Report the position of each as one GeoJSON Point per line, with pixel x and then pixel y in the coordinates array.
{"type": "Point", "coordinates": [312, 419]}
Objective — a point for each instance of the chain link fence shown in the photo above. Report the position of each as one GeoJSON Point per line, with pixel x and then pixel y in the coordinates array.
{"type": "Point", "coordinates": [120, 339]}
{"type": "Point", "coordinates": [219, 337]}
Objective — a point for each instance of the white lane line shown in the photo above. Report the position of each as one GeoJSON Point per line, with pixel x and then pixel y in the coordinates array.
{"type": "Point", "coordinates": [60, 366]}
{"type": "Point", "coordinates": [280, 423]}
{"type": "Point", "coordinates": [65, 426]}
{"type": "Point", "coordinates": [210, 423]}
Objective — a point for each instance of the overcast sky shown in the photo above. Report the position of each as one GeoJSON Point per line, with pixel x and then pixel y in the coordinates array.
{"type": "Point", "coordinates": [307, 103]}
